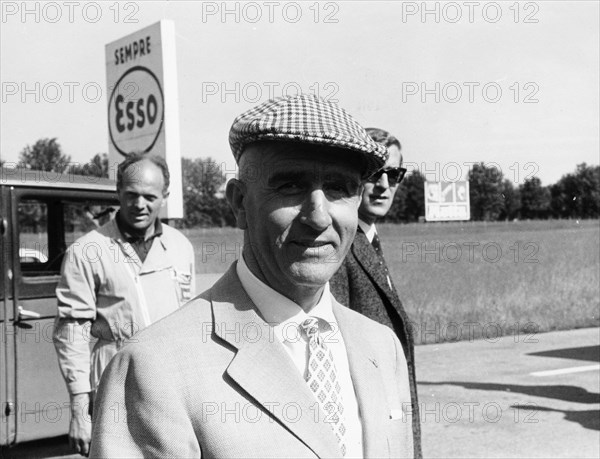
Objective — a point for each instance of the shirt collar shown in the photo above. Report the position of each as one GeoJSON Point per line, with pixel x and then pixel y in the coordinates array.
{"type": "Point", "coordinates": [369, 230]}
{"type": "Point", "coordinates": [279, 311]}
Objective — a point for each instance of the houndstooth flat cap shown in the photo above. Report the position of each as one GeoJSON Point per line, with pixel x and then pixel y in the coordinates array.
{"type": "Point", "coordinates": [305, 118]}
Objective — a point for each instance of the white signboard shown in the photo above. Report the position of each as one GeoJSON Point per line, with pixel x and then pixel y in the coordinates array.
{"type": "Point", "coordinates": [141, 76]}
{"type": "Point", "coordinates": [447, 201]}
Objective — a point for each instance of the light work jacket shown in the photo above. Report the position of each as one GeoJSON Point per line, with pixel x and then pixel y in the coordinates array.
{"type": "Point", "coordinates": [107, 294]}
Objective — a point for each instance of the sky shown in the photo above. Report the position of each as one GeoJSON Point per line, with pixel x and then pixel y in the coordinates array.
{"type": "Point", "coordinates": [512, 84]}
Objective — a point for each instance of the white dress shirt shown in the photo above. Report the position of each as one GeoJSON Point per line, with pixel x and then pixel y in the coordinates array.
{"type": "Point", "coordinates": [369, 230]}
{"type": "Point", "coordinates": [285, 317]}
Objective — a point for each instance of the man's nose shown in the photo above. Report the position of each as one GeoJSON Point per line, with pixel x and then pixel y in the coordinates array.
{"type": "Point", "coordinates": [383, 181]}
{"type": "Point", "coordinates": [315, 211]}
{"type": "Point", "coordinates": [139, 202]}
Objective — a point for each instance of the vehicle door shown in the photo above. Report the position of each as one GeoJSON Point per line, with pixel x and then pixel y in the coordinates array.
{"type": "Point", "coordinates": [43, 223]}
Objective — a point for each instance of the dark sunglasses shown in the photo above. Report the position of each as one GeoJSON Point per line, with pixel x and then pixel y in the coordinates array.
{"type": "Point", "coordinates": [394, 175]}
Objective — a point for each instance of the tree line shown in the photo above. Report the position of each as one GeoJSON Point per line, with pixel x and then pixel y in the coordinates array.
{"type": "Point", "coordinates": [576, 195]}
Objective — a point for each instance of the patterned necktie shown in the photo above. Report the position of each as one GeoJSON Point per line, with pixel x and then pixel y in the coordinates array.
{"type": "Point", "coordinates": [322, 379]}
{"type": "Point", "coordinates": [376, 243]}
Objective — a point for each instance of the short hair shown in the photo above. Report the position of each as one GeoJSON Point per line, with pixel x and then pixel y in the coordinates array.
{"type": "Point", "coordinates": [383, 137]}
{"type": "Point", "coordinates": [136, 157]}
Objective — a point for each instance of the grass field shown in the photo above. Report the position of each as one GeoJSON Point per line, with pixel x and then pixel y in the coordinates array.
{"type": "Point", "coordinates": [461, 281]}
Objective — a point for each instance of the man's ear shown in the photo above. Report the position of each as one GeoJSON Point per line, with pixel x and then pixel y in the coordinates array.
{"type": "Point", "coordinates": [165, 196]}
{"type": "Point", "coordinates": [235, 192]}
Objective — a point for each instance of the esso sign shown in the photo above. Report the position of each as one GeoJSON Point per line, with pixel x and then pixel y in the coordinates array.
{"type": "Point", "coordinates": [135, 111]}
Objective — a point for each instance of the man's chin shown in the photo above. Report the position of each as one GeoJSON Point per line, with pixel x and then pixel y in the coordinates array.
{"type": "Point", "coordinates": [313, 274]}
{"type": "Point", "coordinates": [139, 226]}
{"type": "Point", "coordinates": [375, 212]}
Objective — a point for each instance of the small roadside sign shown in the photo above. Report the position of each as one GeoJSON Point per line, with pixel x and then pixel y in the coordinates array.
{"type": "Point", "coordinates": [447, 201]}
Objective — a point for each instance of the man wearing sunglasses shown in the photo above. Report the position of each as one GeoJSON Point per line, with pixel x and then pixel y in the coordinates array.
{"type": "Point", "coordinates": [363, 281]}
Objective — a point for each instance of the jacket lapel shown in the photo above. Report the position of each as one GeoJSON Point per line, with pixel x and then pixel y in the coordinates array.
{"type": "Point", "coordinates": [368, 385]}
{"type": "Point", "coordinates": [367, 257]}
{"type": "Point", "coordinates": [263, 368]}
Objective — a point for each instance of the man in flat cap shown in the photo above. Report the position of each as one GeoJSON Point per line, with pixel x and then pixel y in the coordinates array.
{"type": "Point", "coordinates": [267, 363]}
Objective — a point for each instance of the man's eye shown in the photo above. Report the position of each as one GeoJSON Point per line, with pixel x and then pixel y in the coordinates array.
{"type": "Point", "coordinates": [336, 187]}
{"type": "Point", "coordinates": [340, 190]}
{"type": "Point", "coordinates": [289, 187]}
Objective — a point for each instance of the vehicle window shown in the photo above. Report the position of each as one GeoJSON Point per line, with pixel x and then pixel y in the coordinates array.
{"type": "Point", "coordinates": [47, 227]}
{"type": "Point", "coordinates": [33, 235]}
{"type": "Point", "coordinates": [82, 217]}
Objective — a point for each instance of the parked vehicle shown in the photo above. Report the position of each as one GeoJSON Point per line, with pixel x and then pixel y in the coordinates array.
{"type": "Point", "coordinates": [41, 214]}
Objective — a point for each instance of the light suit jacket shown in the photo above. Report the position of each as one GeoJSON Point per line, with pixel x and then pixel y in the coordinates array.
{"type": "Point", "coordinates": [212, 380]}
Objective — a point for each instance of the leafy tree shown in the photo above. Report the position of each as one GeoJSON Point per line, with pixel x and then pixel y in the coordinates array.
{"type": "Point", "coordinates": [409, 202]}
{"type": "Point", "coordinates": [414, 196]}
{"type": "Point", "coordinates": [512, 201]}
{"type": "Point", "coordinates": [577, 195]}
{"type": "Point", "coordinates": [535, 199]}
{"type": "Point", "coordinates": [588, 186]}
{"type": "Point", "coordinates": [203, 204]}
{"type": "Point", "coordinates": [45, 155]}
{"type": "Point", "coordinates": [97, 167]}
{"type": "Point", "coordinates": [559, 205]}
{"type": "Point", "coordinates": [485, 191]}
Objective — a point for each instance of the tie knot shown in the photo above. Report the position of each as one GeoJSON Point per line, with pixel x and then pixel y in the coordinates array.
{"type": "Point", "coordinates": [310, 327]}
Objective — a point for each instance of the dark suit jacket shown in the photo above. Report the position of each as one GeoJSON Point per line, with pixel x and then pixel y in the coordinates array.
{"type": "Point", "coordinates": [361, 284]}
{"type": "Point", "coordinates": [211, 380]}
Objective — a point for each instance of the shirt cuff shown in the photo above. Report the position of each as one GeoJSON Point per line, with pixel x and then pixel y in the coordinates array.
{"type": "Point", "coordinates": [79, 387]}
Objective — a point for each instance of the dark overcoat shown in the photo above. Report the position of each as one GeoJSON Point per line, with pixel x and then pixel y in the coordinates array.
{"type": "Point", "coordinates": [361, 283]}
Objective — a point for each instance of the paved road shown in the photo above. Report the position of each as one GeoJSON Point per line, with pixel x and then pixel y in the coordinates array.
{"type": "Point", "coordinates": [518, 396]}
{"type": "Point", "coordinates": [509, 397]}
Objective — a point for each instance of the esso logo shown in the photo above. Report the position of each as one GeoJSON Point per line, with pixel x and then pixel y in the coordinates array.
{"type": "Point", "coordinates": [135, 111]}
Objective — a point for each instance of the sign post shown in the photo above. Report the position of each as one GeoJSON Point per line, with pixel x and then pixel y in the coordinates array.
{"type": "Point", "coordinates": [141, 76]}
{"type": "Point", "coordinates": [447, 201]}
